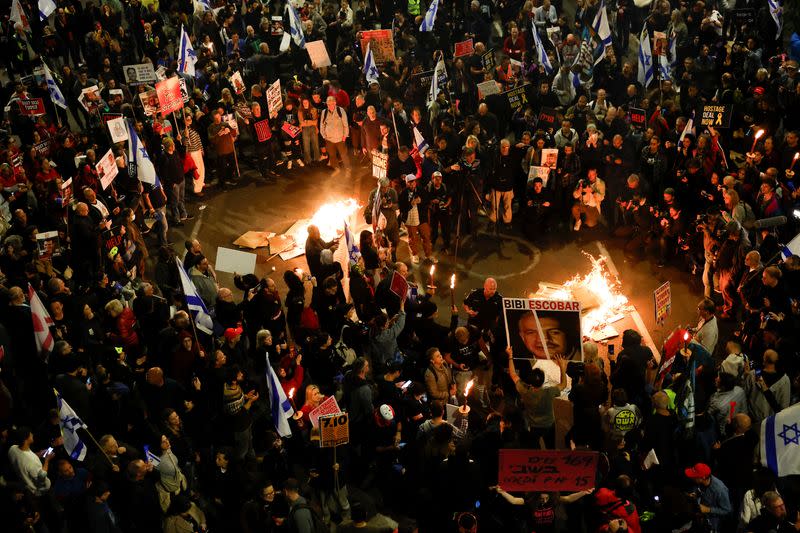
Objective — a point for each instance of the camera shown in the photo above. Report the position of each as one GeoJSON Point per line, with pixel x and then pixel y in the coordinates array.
{"type": "Point", "coordinates": [575, 369]}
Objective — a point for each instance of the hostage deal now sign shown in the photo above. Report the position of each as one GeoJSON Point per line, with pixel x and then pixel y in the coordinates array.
{"type": "Point", "coordinates": [546, 470]}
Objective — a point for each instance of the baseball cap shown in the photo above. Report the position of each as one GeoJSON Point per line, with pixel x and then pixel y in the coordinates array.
{"type": "Point", "coordinates": [411, 177]}
{"type": "Point", "coordinates": [758, 90]}
{"type": "Point", "coordinates": [437, 173]}
{"type": "Point", "coordinates": [698, 471]}
{"type": "Point", "coordinates": [230, 333]}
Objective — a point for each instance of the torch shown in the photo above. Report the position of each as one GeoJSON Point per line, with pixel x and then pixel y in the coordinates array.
{"type": "Point", "coordinates": [464, 407]}
{"type": "Point", "coordinates": [759, 133]}
{"type": "Point", "coordinates": [452, 291]}
{"type": "Point", "coordinates": [291, 397]}
{"type": "Point", "coordinates": [431, 285]}
{"type": "Point", "coordinates": [790, 172]}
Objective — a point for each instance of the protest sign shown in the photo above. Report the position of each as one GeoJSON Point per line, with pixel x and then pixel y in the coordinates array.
{"type": "Point", "coordinates": [90, 99]}
{"type": "Point", "coordinates": [638, 117]}
{"type": "Point", "coordinates": [112, 241]}
{"type": "Point", "coordinates": [547, 470]}
{"type": "Point", "coordinates": [244, 110]}
{"type": "Point", "coordinates": [66, 192]}
{"type": "Point", "coordinates": [149, 101]}
{"type": "Point", "coordinates": [662, 297]}
{"type": "Point", "coordinates": [276, 25]}
{"type": "Point", "coordinates": [290, 130]}
{"type": "Point", "coordinates": [318, 54]}
{"type": "Point", "coordinates": [235, 261]}
{"type": "Point", "coordinates": [110, 116]}
{"type": "Point", "coordinates": [423, 79]}
{"type": "Point", "coordinates": [487, 60]}
{"type": "Point", "coordinates": [263, 131]}
{"type": "Point", "coordinates": [139, 74]}
{"type": "Point", "coordinates": [329, 406]}
{"type": "Point", "coordinates": [530, 324]}
{"type": "Point", "coordinates": [554, 34]}
{"type": "Point", "coordinates": [184, 91]}
{"type": "Point", "coordinates": [31, 106]}
{"type": "Point", "coordinates": [48, 244]}
{"type": "Point", "coordinates": [517, 97]}
{"type": "Point", "coordinates": [539, 172]}
{"type": "Point", "coordinates": [43, 147]}
{"type": "Point", "coordinates": [659, 44]}
{"type": "Point", "coordinates": [550, 158]}
{"type": "Point", "coordinates": [274, 100]}
{"type": "Point", "coordinates": [334, 430]}
{"type": "Point", "coordinates": [464, 48]}
{"type": "Point", "coordinates": [161, 73]}
{"type": "Point", "coordinates": [547, 118]}
{"type": "Point", "coordinates": [107, 169]}
{"type": "Point", "coordinates": [169, 95]}
{"type": "Point", "coordinates": [381, 43]}
{"type": "Point", "coordinates": [118, 130]}
{"type": "Point", "coordinates": [230, 120]}
{"type": "Point", "coordinates": [743, 17]}
{"type": "Point", "coordinates": [399, 285]}
{"type": "Point", "coordinates": [716, 116]}
{"type": "Point", "coordinates": [237, 82]}
{"type": "Point", "coordinates": [380, 162]}
{"type": "Point", "coordinates": [488, 88]}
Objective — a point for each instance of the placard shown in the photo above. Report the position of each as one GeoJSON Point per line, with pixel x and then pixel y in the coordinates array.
{"type": "Point", "coordinates": [464, 48]}
{"type": "Point", "coordinates": [48, 244]}
{"type": "Point", "coordinates": [276, 26]}
{"type": "Point", "coordinates": [290, 130]}
{"type": "Point", "coordinates": [31, 106]}
{"type": "Point", "coordinates": [399, 285]}
{"type": "Point", "coordinates": [318, 54]}
{"type": "Point", "coordinates": [716, 116]}
{"type": "Point", "coordinates": [518, 96]}
{"type": "Point", "coordinates": [274, 100]}
{"type": "Point", "coordinates": [112, 241]}
{"type": "Point", "coordinates": [547, 470]}
{"type": "Point", "coordinates": [550, 158]}
{"type": "Point", "coordinates": [380, 162]}
{"type": "Point", "coordinates": [381, 43]}
{"type": "Point", "coordinates": [184, 90]}
{"type": "Point", "coordinates": [547, 118]}
{"type": "Point", "coordinates": [107, 169]}
{"type": "Point", "coordinates": [235, 261]}
{"type": "Point", "coordinates": [541, 329]}
{"type": "Point", "coordinates": [488, 88]}
{"type": "Point", "coordinates": [334, 430]}
{"type": "Point", "coordinates": [329, 406]}
{"type": "Point", "coordinates": [230, 120]}
{"type": "Point", "coordinates": [149, 101]}
{"type": "Point", "coordinates": [539, 172]}
{"type": "Point", "coordinates": [139, 74]}
{"type": "Point", "coordinates": [662, 297]}
{"type": "Point", "coordinates": [263, 131]}
{"type": "Point", "coordinates": [638, 117]}
{"type": "Point", "coordinates": [659, 44]}
{"type": "Point", "coordinates": [169, 95]}
{"type": "Point", "coordinates": [42, 148]}
{"type": "Point", "coordinates": [90, 99]}
{"type": "Point", "coordinates": [237, 82]}
{"type": "Point", "coordinates": [487, 60]}
{"type": "Point", "coordinates": [554, 34]}
{"type": "Point", "coordinates": [118, 130]}
{"type": "Point", "coordinates": [423, 79]}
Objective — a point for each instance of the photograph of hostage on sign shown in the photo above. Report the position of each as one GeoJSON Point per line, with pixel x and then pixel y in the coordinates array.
{"type": "Point", "coordinates": [543, 329]}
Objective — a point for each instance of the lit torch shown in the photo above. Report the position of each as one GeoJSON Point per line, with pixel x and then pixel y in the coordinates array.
{"type": "Point", "coordinates": [685, 339]}
{"type": "Point", "coordinates": [291, 397]}
{"type": "Point", "coordinates": [794, 160]}
{"type": "Point", "coordinates": [759, 133]}
{"type": "Point", "coordinates": [453, 290]}
{"type": "Point", "coordinates": [431, 285]}
{"type": "Point", "coordinates": [467, 388]}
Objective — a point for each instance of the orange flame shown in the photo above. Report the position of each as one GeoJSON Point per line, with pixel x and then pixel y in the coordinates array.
{"type": "Point", "coordinates": [468, 387]}
{"type": "Point", "coordinates": [291, 393]}
{"type": "Point", "coordinates": [686, 336]}
{"type": "Point", "coordinates": [329, 218]}
{"type": "Point", "coordinates": [453, 281]}
{"type": "Point", "coordinates": [433, 268]}
{"type": "Point", "coordinates": [759, 133]}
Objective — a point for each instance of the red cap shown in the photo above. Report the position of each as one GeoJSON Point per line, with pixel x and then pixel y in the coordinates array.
{"type": "Point", "coordinates": [698, 471]}
{"type": "Point", "coordinates": [230, 333]}
{"type": "Point", "coordinates": [758, 90]}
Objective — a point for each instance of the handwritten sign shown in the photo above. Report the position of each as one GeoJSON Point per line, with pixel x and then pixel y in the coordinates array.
{"type": "Point", "coordinates": [334, 430]}
{"type": "Point", "coordinates": [546, 470]}
{"type": "Point", "coordinates": [638, 117]}
{"type": "Point", "coordinates": [464, 48]}
{"type": "Point", "coordinates": [329, 406]}
{"type": "Point", "coordinates": [517, 97]}
{"type": "Point", "coordinates": [488, 88]}
{"type": "Point", "coordinates": [662, 297]}
{"type": "Point", "coordinates": [274, 100]}
{"type": "Point", "coordinates": [381, 43]}
{"type": "Point", "coordinates": [716, 116]}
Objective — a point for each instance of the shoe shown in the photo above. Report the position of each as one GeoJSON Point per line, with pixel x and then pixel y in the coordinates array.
{"type": "Point", "coordinates": [415, 259]}
{"type": "Point", "coordinates": [300, 162]}
{"type": "Point", "coordinates": [289, 165]}
{"type": "Point", "coordinates": [577, 226]}
{"type": "Point", "coordinates": [281, 162]}
{"type": "Point", "coordinates": [187, 217]}
{"type": "Point", "coordinates": [660, 264]}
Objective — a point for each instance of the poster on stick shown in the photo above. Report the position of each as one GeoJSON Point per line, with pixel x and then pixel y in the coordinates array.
{"type": "Point", "coordinates": [547, 470]}
{"type": "Point", "coordinates": [381, 43]}
{"type": "Point", "coordinates": [107, 169]}
{"type": "Point", "coordinates": [542, 329]}
{"type": "Point", "coordinates": [334, 430]}
{"type": "Point", "coordinates": [139, 74]}
{"type": "Point", "coordinates": [169, 95]}
{"type": "Point", "coordinates": [118, 130]}
{"type": "Point", "coordinates": [149, 101]}
{"type": "Point", "coordinates": [318, 54]}
{"type": "Point", "coordinates": [274, 100]}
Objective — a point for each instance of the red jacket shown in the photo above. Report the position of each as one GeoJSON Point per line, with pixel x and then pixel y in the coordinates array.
{"type": "Point", "coordinates": [126, 332]}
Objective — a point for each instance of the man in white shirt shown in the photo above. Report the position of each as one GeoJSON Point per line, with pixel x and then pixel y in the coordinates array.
{"type": "Point", "coordinates": [334, 128]}
{"type": "Point", "coordinates": [29, 467]}
{"type": "Point", "coordinates": [589, 194]}
{"type": "Point", "coordinates": [707, 333]}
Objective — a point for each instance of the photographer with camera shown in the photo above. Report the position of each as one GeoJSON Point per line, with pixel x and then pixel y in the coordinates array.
{"type": "Point", "coordinates": [672, 229]}
{"type": "Point", "coordinates": [589, 193]}
{"type": "Point", "coordinates": [713, 228]}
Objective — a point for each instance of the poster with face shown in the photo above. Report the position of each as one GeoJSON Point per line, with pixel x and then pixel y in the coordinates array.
{"type": "Point", "coordinates": [47, 244]}
{"type": "Point", "coordinates": [543, 329]}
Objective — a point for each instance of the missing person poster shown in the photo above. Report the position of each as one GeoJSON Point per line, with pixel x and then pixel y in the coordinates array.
{"type": "Point", "coordinates": [139, 74]}
{"type": "Point", "coordinates": [149, 101]}
{"type": "Point", "coordinates": [237, 82]}
{"type": "Point", "coordinates": [169, 95]}
{"type": "Point", "coordinates": [543, 329]}
{"type": "Point", "coordinates": [539, 172]}
{"type": "Point", "coordinates": [90, 99]}
{"type": "Point", "coordinates": [48, 244]}
{"type": "Point", "coordinates": [107, 169]}
{"type": "Point", "coordinates": [550, 158]}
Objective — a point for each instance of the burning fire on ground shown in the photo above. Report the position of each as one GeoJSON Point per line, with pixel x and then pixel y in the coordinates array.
{"type": "Point", "coordinates": [330, 218]}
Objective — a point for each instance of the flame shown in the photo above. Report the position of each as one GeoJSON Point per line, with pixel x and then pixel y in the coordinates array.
{"type": "Point", "coordinates": [291, 393]}
{"type": "Point", "coordinates": [686, 336]}
{"type": "Point", "coordinates": [433, 268]}
{"type": "Point", "coordinates": [468, 387]}
{"type": "Point", "coordinates": [796, 155]}
{"type": "Point", "coordinates": [453, 281]}
{"type": "Point", "coordinates": [759, 133]}
{"type": "Point", "coordinates": [329, 218]}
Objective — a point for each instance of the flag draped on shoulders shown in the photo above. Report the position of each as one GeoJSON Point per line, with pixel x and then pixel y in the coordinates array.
{"type": "Point", "coordinates": [139, 161]}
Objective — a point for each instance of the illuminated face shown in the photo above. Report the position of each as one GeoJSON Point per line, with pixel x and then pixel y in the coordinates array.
{"type": "Point", "coordinates": [530, 336]}
{"type": "Point", "coordinates": [554, 336]}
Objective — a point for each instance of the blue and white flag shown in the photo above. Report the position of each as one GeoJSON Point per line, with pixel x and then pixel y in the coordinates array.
{"type": "Point", "coordinates": [646, 68]}
{"type": "Point", "coordinates": [279, 404]}
{"type": "Point", "coordinates": [55, 93]}
{"type": "Point", "coordinates": [440, 70]}
{"type": "Point", "coordinates": [793, 248]}
{"type": "Point", "coordinates": [139, 163]}
{"type": "Point", "coordinates": [46, 8]}
{"type": "Point", "coordinates": [370, 68]}
{"type": "Point", "coordinates": [541, 53]}
{"type": "Point", "coordinates": [668, 62]}
{"type": "Point", "coordinates": [419, 142]}
{"type": "Point", "coordinates": [202, 5]}
{"type": "Point", "coordinates": [18, 16]}
{"type": "Point", "coordinates": [603, 31]}
{"type": "Point", "coordinates": [295, 26]}
{"type": "Point", "coordinates": [70, 424]}
{"type": "Point", "coordinates": [430, 17]}
{"type": "Point", "coordinates": [689, 128]}
{"type": "Point", "coordinates": [186, 54]}
{"type": "Point", "coordinates": [202, 318]}
{"type": "Point", "coordinates": [353, 253]}
{"type": "Point", "coordinates": [776, 10]}
{"type": "Point", "coordinates": [152, 458]}
{"type": "Point", "coordinates": [780, 442]}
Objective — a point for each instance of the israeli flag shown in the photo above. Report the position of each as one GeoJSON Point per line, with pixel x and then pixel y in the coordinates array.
{"type": "Point", "coordinates": [280, 405]}
{"type": "Point", "coordinates": [295, 26]}
{"type": "Point", "coordinates": [430, 17]}
{"type": "Point", "coordinates": [776, 10]}
{"type": "Point", "coordinates": [603, 31]}
{"type": "Point", "coordinates": [370, 68]}
{"type": "Point", "coordinates": [202, 5]}
{"type": "Point", "coordinates": [186, 55]}
{"type": "Point", "coordinates": [689, 128]}
{"type": "Point", "coordinates": [353, 253]}
{"type": "Point", "coordinates": [646, 69]}
{"type": "Point", "coordinates": [152, 458]}
{"type": "Point", "coordinates": [70, 424]}
{"type": "Point", "coordinates": [780, 442]}
{"type": "Point", "coordinates": [793, 248]}
{"type": "Point", "coordinates": [139, 161]}
{"type": "Point", "coordinates": [434, 91]}
{"type": "Point", "coordinates": [419, 142]}
{"type": "Point", "coordinates": [55, 93]}
{"type": "Point", "coordinates": [46, 8]}
{"type": "Point", "coordinates": [541, 52]}
{"type": "Point", "coordinates": [202, 318]}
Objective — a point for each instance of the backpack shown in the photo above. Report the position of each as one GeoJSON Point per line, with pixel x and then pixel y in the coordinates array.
{"type": "Point", "coordinates": [749, 221]}
{"type": "Point", "coordinates": [319, 525]}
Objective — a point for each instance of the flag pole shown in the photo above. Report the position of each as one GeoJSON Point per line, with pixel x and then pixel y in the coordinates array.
{"type": "Point", "coordinates": [86, 429]}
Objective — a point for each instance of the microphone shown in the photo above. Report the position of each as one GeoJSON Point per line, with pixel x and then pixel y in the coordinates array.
{"type": "Point", "coordinates": [770, 222]}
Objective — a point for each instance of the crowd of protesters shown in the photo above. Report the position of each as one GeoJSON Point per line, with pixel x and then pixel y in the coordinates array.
{"type": "Point", "coordinates": [179, 428]}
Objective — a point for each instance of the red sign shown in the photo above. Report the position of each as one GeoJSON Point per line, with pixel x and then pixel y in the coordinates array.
{"type": "Point", "coordinates": [169, 95]}
{"type": "Point", "coordinates": [263, 131]}
{"type": "Point", "coordinates": [290, 130]}
{"type": "Point", "coordinates": [464, 48]}
{"type": "Point", "coordinates": [328, 407]}
{"type": "Point", "coordinates": [546, 470]}
{"type": "Point", "coordinates": [399, 285]}
{"type": "Point", "coordinates": [31, 106]}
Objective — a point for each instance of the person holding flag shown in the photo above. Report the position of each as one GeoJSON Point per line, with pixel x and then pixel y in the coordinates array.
{"type": "Point", "coordinates": [370, 68]}
{"type": "Point", "coordinates": [186, 54]}
{"type": "Point", "coordinates": [646, 67]}
{"type": "Point", "coordinates": [541, 53]}
{"type": "Point", "coordinates": [430, 17]}
{"type": "Point", "coordinates": [194, 303]}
